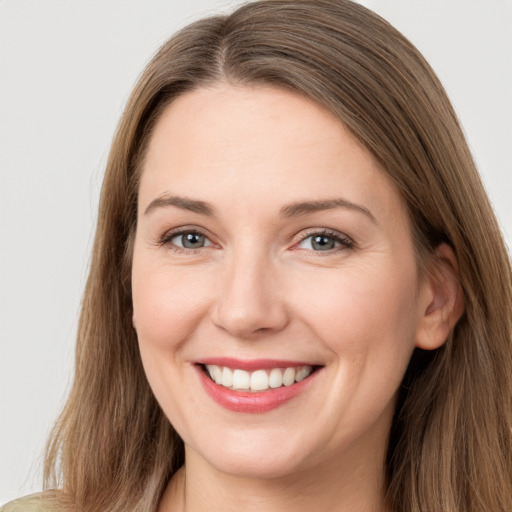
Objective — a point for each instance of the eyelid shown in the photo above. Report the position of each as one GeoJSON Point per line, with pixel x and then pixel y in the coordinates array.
{"type": "Point", "coordinates": [345, 241]}
{"type": "Point", "coordinates": [166, 238]}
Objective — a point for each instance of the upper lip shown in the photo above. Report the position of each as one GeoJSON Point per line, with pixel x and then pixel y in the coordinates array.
{"type": "Point", "coordinates": [253, 364]}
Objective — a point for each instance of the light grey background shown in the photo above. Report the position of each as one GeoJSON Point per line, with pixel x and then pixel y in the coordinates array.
{"type": "Point", "coordinates": [66, 69]}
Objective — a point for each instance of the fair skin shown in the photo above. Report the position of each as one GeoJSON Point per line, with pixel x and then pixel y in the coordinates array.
{"type": "Point", "coordinates": [265, 232]}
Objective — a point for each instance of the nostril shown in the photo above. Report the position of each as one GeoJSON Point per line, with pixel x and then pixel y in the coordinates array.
{"type": "Point", "coordinates": [249, 322]}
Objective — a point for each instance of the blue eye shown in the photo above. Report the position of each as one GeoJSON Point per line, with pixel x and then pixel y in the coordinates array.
{"type": "Point", "coordinates": [324, 242]}
{"type": "Point", "coordinates": [189, 240]}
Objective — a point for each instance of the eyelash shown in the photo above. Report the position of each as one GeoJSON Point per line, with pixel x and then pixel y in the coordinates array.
{"type": "Point", "coordinates": [344, 241]}
{"type": "Point", "coordinates": [167, 237]}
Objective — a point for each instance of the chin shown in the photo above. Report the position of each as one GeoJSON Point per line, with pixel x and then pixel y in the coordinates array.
{"type": "Point", "coordinates": [255, 457]}
{"type": "Point", "coordinates": [259, 466]}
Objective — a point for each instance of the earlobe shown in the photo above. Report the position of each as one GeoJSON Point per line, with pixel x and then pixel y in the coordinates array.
{"type": "Point", "coordinates": [444, 301]}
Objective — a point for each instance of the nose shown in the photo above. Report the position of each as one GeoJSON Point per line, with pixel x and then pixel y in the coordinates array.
{"type": "Point", "coordinates": [249, 301]}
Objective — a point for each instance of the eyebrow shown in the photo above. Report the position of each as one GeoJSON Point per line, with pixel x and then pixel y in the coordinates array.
{"type": "Point", "coordinates": [305, 207]}
{"type": "Point", "coordinates": [290, 210]}
{"type": "Point", "coordinates": [180, 202]}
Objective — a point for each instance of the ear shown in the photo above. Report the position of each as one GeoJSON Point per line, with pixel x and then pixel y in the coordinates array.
{"type": "Point", "coordinates": [442, 302]}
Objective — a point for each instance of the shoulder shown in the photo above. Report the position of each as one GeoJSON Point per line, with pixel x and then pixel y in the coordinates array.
{"type": "Point", "coordinates": [31, 503]}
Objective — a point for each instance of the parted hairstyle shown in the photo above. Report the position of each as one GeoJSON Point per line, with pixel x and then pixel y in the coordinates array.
{"type": "Point", "coordinates": [450, 445]}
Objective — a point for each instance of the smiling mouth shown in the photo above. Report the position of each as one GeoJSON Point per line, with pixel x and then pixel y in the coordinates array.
{"type": "Point", "coordinates": [257, 380]}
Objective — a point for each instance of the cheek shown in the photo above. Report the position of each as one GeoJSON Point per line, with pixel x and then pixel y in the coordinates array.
{"type": "Point", "coordinates": [168, 306]}
{"type": "Point", "coordinates": [366, 318]}
{"type": "Point", "coordinates": [364, 312]}
{"type": "Point", "coordinates": [166, 302]}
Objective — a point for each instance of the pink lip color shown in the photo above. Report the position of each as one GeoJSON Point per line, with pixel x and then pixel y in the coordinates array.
{"type": "Point", "coordinates": [258, 402]}
{"type": "Point", "coordinates": [253, 364]}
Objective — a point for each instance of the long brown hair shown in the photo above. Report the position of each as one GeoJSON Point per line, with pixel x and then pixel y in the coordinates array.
{"type": "Point", "coordinates": [450, 446]}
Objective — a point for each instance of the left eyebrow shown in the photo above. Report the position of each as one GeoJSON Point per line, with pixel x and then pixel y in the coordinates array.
{"type": "Point", "coordinates": [305, 207]}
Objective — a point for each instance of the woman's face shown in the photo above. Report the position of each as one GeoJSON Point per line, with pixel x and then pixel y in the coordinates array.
{"type": "Point", "coordinates": [272, 254]}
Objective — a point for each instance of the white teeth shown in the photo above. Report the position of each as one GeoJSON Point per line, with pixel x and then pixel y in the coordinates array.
{"type": "Point", "coordinates": [227, 377]}
{"type": "Point", "coordinates": [302, 373]}
{"type": "Point", "coordinates": [259, 380]}
{"type": "Point", "coordinates": [215, 373]}
{"type": "Point", "coordinates": [289, 376]}
{"type": "Point", "coordinates": [275, 378]}
{"type": "Point", "coordinates": [241, 379]}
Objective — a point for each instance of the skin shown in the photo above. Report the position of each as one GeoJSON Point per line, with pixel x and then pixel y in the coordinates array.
{"type": "Point", "coordinates": [260, 289]}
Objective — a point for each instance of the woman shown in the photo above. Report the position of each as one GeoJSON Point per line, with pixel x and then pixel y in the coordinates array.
{"type": "Point", "coordinates": [299, 295]}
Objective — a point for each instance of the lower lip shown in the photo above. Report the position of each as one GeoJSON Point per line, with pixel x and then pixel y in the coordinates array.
{"type": "Point", "coordinates": [257, 402]}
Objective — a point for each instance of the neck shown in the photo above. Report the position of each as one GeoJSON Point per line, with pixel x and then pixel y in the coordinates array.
{"type": "Point", "coordinates": [358, 487]}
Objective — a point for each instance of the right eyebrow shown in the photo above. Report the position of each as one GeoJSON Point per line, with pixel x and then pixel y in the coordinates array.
{"type": "Point", "coordinates": [184, 203]}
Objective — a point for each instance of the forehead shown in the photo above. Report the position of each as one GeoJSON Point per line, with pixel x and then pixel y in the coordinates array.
{"type": "Point", "coordinates": [245, 143]}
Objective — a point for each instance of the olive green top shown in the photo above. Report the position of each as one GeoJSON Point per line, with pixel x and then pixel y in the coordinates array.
{"type": "Point", "coordinates": [31, 503]}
